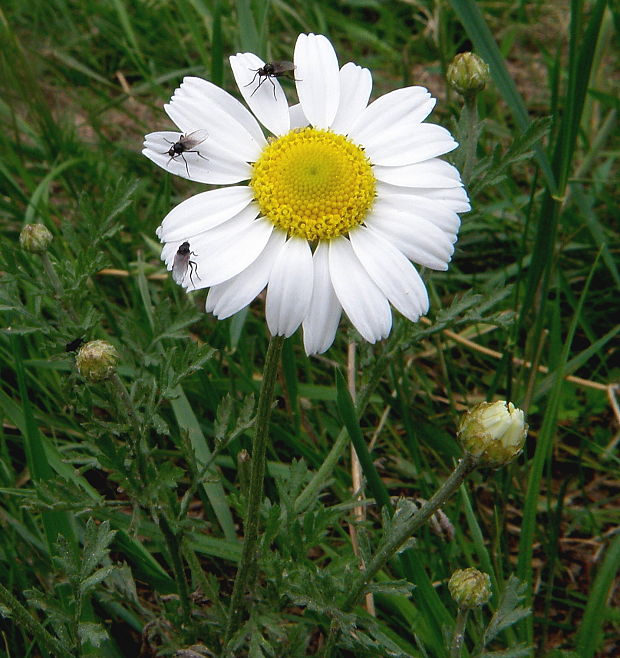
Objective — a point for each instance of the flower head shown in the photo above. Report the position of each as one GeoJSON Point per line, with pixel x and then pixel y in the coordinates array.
{"type": "Point", "coordinates": [468, 73]}
{"type": "Point", "coordinates": [35, 238]}
{"type": "Point", "coordinates": [493, 431]}
{"type": "Point", "coordinates": [470, 588]}
{"type": "Point", "coordinates": [340, 200]}
{"type": "Point", "coordinates": [96, 360]}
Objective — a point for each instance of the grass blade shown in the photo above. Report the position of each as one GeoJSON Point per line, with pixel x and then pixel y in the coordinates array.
{"type": "Point", "coordinates": [588, 640]}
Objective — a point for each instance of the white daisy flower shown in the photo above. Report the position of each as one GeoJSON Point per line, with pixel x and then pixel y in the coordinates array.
{"type": "Point", "coordinates": [342, 199]}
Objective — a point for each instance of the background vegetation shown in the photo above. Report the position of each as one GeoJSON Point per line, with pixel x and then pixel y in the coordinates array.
{"type": "Point", "coordinates": [526, 313]}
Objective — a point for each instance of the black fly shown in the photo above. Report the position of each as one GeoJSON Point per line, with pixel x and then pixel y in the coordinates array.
{"type": "Point", "coordinates": [74, 345]}
{"type": "Point", "coordinates": [182, 262]}
{"type": "Point", "coordinates": [187, 144]}
{"type": "Point", "coordinates": [269, 71]}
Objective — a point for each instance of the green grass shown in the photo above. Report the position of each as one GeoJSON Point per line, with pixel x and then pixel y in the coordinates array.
{"type": "Point", "coordinates": [534, 280]}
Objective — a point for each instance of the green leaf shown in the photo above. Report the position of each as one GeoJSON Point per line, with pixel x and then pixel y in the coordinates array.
{"type": "Point", "coordinates": [590, 630]}
{"type": "Point", "coordinates": [508, 611]}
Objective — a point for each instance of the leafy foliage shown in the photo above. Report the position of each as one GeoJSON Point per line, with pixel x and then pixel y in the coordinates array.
{"type": "Point", "coordinates": [121, 508]}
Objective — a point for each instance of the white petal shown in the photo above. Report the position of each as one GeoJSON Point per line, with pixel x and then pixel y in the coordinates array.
{"type": "Point", "coordinates": [407, 143]}
{"type": "Point", "coordinates": [226, 231]}
{"type": "Point", "coordinates": [412, 104]}
{"type": "Point", "coordinates": [416, 207]}
{"type": "Point", "coordinates": [200, 91]}
{"type": "Point", "coordinates": [317, 79]}
{"type": "Point", "coordinates": [203, 212]}
{"type": "Point", "coordinates": [365, 305]}
{"type": "Point", "coordinates": [454, 198]}
{"type": "Point", "coordinates": [211, 165]}
{"type": "Point", "coordinates": [418, 239]}
{"type": "Point", "coordinates": [355, 88]}
{"type": "Point", "coordinates": [228, 298]}
{"type": "Point", "coordinates": [220, 257]}
{"type": "Point", "coordinates": [298, 118]}
{"type": "Point", "coordinates": [395, 276]}
{"type": "Point", "coordinates": [290, 288]}
{"type": "Point", "coordinates": [267, 101]}
{"type": "Point", "coordinates": [321, 322]}
{"type": "Point", "coordinates": [224, 131]}
{"type": "Point", "coordinates": [430, 173]}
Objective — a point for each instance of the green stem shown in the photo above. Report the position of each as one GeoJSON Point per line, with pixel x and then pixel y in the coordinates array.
{"type": "Point", "coordinates": [59, 292]}
{"type": "Point", "coordinates": [321, 476]}
{"type": "Point", "coordinates": [459, 633]}
{"type": "Point", "coordinates": [395, 540]}
{"type": "Point", "coordinates": [24, 620]}
{"type": "Point", "coordinates": [174, 548]}
{"type": "Point", "coordinates": [201, 580]}
{"type": "Point", "coordinates": [51, 274]}
{"type": "Point", "coordinates": [470, 120]}
{"type": "Point", "coordinates": [255, 493]}
{"type": "Point", "coordinates": [342, 441]}
{"type": "Point", "coordinates": [123, 396]}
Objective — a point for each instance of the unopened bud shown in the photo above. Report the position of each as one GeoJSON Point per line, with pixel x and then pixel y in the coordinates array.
{"type": "Point", "coordinates": [494, 432]}
{"type": "Point", "coordinates": [468, 74]}
{"type": "Point", "coordinates": [35, 238]}
{"type": "Point", "coordinates": [470, 588]}
{"type": "Point", "coordinates": [96, 360]}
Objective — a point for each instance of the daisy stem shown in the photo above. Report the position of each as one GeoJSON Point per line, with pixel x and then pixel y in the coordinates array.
{"type": "Point", "coordinates": [459, 633]}
{"type": "Point", "coordinates": [51, 274]}
{"type": "Point", "coordinates": [57, 285]}
{"type": "Point", "coordinates": [390, 545]}
{"type": "Point", "coordinates": [395, 540]}
{"type": "Point", "coordinates": [470, 120]}
{"type": "Point", "coordinates": [247, 565]}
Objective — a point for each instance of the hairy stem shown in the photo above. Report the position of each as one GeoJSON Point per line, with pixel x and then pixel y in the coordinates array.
{"type": "Point", "coordinates": [255, 492]}
{"type": "Point", "coordinates": [30, 625]}
{"type": "Point", "coordinates": [459, 633]}
{"type": "Point", "coordinates": [395, 540]}
{"type": "Point", "coordinates": [470, 121]}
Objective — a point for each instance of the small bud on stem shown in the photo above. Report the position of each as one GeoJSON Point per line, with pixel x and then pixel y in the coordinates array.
{"type": "Point", "coordinates": [494, 432]}
{"type": "Point", "coordinates": [468, 74]}
{"type": "Point", "coordinates": [470, 588]}
{"type": "Point", "coordinates": [35, 238]}
{"type": "Point", "coordinates": [96, 360]}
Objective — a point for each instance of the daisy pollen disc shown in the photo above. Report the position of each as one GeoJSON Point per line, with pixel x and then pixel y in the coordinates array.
{"type": "Point", "coordinates": [313, 184]}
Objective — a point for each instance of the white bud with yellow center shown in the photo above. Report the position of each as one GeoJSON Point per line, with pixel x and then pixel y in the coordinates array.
{"type": "Point", "coordinates": [494, 432]}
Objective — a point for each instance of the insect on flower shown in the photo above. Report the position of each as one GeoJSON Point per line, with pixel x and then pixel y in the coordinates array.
{"type": "Point", "coordinates": [187, 144]}
{"type": "Point", "coordinates": [269, 71]}
{"type": "Point", "coordinates": [182, 262]}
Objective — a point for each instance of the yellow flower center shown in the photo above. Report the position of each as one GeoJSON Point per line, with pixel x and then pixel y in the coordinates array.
{"type": "Point", "coordinates": [313, 184]}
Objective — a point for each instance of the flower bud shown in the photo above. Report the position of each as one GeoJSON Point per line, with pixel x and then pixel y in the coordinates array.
{"type": "Point", "coordinates": [494, 432]}
{"type": "Point", "coordinates": [470, 588]}
{"type": "Point", "coordinates": [468, 74]}
{"type": "Point", "coordinates": [35, 238]}
{"type": "Point", "coordinates": [96, 360]}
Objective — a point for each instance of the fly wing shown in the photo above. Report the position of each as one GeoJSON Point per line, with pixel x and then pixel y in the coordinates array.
{"type": "Point", "coordinates": [282, 67]}
{"type": "Point", "coordinates": [194, 139]}
{"type": "Point", "coordinates": [179, 267]}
